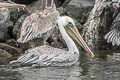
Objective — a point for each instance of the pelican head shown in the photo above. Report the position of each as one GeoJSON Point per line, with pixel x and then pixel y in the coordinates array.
{"type": "Point", "coordinates": [9, 5]}
{"type": "Point", "coordinates": [69, 26]}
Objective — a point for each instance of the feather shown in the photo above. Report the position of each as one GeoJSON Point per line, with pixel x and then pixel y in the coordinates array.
{"type": "Point", "coordinates": [113, 35]}
{"type": "Point", "coordinates": [37, 24]}
{"type": "Point", "coordinates": [47, 56]}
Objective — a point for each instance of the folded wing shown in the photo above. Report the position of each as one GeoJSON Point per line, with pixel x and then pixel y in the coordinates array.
{"type": "Point", "coordinates": [114, 34]}
{"type": "Point", "coordinates": [37, 24]}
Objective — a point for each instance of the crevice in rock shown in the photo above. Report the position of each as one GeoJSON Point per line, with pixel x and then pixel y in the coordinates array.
{"type": "Point", "coordinates": [24, 1]}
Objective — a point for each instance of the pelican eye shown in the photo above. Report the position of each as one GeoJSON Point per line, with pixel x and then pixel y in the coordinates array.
{"type": "Point", "coordinates": [69, 24]}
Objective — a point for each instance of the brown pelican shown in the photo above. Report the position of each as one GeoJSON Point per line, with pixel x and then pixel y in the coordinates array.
{"type": "Point", "coordinates": [114, 34]}
{"type": "Point", "coordinates": [40, 23]}
{"type": "Point", "coordinates": [49, 56]}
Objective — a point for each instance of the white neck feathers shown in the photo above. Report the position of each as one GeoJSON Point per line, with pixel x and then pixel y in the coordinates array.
{"type": "Point", "coordinates": [70, 43]}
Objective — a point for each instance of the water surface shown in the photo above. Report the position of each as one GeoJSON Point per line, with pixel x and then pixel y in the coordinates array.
{"type": "Point", "coordinates": [105, 66]}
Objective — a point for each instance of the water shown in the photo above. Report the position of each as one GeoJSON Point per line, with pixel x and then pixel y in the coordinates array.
{"type": "Point", "coordinates": [104, 66]}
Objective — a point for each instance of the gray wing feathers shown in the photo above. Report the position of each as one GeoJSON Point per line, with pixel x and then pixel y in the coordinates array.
{"type": "Point", "coordinates": [37, 24]}
{"type": "Point", "coordinates": [46, 55]}
{"type": "Point", "coordinates": [114, 35]}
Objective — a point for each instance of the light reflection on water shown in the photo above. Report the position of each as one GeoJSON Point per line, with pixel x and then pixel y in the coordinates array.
{"type": "Point", "coordinates": [102, 67]}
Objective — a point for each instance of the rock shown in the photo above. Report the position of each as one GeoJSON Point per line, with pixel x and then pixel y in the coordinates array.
{"type": "Point", "coordinates": [66, 2]}
{"type": "Point", "coordinates": [18, 25]}
{"type": "Point", "coordinates": [4, 23]}
{"type": "Point", "coordinates": [8, 18]}
{"type": "Point", "coordinates": [22, 46]}
{"type": "Point", "coordinates": [16, 13]}
{"type": "Point", "coordinates": [59, 2]}
{"type": "Point", "coordinates": [78, 25]}
{"type": "Point", "coordinates": [61, 10]}
{"type": "Point", "coordinates": [24, 1]}
{"type": "Point", "coordinates": [2, 0]}
{"type": "Point", "coordinates": [10, 49]}
{"type": "Point", "coordinates": [79, 9]}
{"type": "Point", "coordinates": [33, 7]}
{"type": "Point", "coordinates": [57, 45]}
{"type": "Point", "coordinates": [4, 55]}
{"type": "Point", "coordinates": [56, 40]}
{"type": "Point", "coordinates": [13, 43]}
{"type": "Point", "coordinates": [25, 46]}
{"type": "Point", "coordinates": [91, 28]}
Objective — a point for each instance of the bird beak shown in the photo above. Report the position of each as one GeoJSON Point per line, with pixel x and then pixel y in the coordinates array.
{"type": "Point", "coordinates": [11, 5]}
{"type": "Point", "coordinates": [73, 32]}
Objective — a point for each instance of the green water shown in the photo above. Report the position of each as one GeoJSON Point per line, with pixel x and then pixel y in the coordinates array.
{"type": "Point", "coordinates": [104, 66]}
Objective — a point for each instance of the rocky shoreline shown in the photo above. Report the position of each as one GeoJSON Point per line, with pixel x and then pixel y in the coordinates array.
{"type": "Point", "coordinates": [78, 10]}
{"type": "Point", "coordinates": [10, 33]}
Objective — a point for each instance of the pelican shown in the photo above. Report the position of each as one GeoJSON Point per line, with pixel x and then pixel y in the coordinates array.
{"type": "Point", "coordinates": [48, 56]}
{"type": "Point", "coordinates": [113, 35]}
{"type": "Point", "coordinates": [40, 23]}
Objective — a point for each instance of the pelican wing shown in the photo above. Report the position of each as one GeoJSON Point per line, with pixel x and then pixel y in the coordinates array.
{"type": "Point", "coordinates": [47, 56]}
{"type": "Point", "coordinates": [114, 34]}
{"type": "Point", "coordinates": [37, 24]}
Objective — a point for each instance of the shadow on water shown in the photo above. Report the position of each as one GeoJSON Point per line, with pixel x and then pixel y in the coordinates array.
{"type": "Point", "coordinates": [104, 66]}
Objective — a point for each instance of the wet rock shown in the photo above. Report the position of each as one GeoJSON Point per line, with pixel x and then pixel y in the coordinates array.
{"type": "Point", "coordinates": [61, 11]}
{"type": "Point", "coordinates": [62, 3]}
{"type": "Point", "coordinates": [16, 13]}
{"type": "Point", "coordinates": [4, 54]}
{"type": "Point", "coordinates": [59, 3]}
{"type": "Point", "coordinates": [10, 49]}
{"type": "Point", "coordinates": [56, 40]}
{"type": "Point", "coordinates": [33, 7]}
{"type": "Point", "coordinates": [78, 25]}
{"type": "Point", "coordinates": [79, 9]}
{"type": "Point", "coordinates": [24, 1]}
{"type": "Point", "coordinates": [22, 46]}
{"type": "Point", "coordinates": [25, 46]}
{"type": "Point", "coordinates": [57, 45]}
{"type": "Point", "coordinates": [18, 25]}
{"type": "Point", "coordinates": [66, 2]}
{"type": "Point", "coordinates": [8, 18]}
{"type": "Point", "coordinates": [12, 42]}
{"type": "Point", "coordinates": [4, 23]}
{"type": "Point", "coordinates": [1, 0]}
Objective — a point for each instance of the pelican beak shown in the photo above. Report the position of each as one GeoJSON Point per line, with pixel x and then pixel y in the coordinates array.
{"type": "Point", "coordinates": [11, 5]}
{"type": "Point", "coordinates": [73, 32]}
